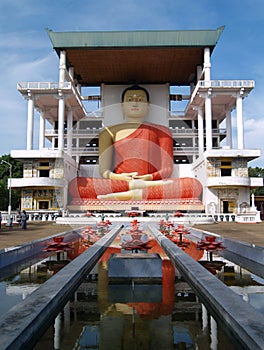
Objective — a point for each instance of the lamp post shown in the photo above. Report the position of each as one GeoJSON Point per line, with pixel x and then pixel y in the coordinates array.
{"type": "Point", "coordinates": [9, 198]}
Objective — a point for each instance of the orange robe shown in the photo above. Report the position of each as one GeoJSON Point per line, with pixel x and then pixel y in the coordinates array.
{"type": "Point", "coordinates": [148, 150]}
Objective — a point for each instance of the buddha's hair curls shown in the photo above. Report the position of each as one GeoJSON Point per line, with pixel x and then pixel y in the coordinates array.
{"type": "Point", "coordinates": [135, 87]}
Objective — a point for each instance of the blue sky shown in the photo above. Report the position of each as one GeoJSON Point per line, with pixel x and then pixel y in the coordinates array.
{"type": "Point", "coordinates": [27, 54]}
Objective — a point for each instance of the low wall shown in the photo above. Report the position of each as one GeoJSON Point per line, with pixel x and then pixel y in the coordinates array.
{"type": "Point", "coordinates": [11, 255]}
{"type": "Point", "coordinates": [244, 249]}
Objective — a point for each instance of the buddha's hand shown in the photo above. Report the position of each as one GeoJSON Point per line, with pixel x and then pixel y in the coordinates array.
{"type": "Point", "coordinates": [123, 176]}
{"type": "Point", "coordinates": [140, 184]}
{"type": "Point", "coordinates": [146, 177]}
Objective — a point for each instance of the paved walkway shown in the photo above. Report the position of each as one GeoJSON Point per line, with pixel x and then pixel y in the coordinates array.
{"type": "Point", "coordinates": [251, 233]}
{"type": "Point", "coordinates": [14, 236]}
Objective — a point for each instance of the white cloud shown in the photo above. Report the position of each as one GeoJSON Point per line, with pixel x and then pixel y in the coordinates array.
{"type": "Point", "coordinates": [13, 109]}
{"type": "Point", "coordinates": [27, 54]}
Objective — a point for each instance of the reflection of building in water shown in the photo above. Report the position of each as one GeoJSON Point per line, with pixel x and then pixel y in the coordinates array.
{"type": "Point", "coordinates": [177, 319]}
{"type": "Point", "coordinates": [175, 67]}
{"type": "Point", "coordinates": [92, 320]}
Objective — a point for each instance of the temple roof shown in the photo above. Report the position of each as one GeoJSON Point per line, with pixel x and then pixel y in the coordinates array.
{"type": "Point", "coordinates": [124, 57]}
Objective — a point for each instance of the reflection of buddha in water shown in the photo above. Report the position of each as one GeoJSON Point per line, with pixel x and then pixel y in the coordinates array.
{"type": "Point", "coordinates": [135, 159]}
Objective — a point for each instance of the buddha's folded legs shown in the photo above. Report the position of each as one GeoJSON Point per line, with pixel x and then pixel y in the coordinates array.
{"type": "Point", "coordinates": [93, 188]}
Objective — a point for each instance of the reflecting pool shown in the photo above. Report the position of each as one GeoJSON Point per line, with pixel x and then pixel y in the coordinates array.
{"type": "Point", "coordinates": [105, 315]}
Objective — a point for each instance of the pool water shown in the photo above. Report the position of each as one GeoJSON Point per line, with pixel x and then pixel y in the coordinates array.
{"type": "Point", "coordinates": [102, 315]}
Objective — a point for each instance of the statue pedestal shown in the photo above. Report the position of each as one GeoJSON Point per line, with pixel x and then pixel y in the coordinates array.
{"type": "Point", "coordinates": [139, 267]}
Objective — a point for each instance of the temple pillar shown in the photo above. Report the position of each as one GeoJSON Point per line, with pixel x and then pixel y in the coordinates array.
{"type": "Point", "coordinates": [42, 128]}
{"type": "Point", "coordinates": [229, 130]}
{"type": "Point", "coordinates": [77, 143]}
{"type": "Point", "coordinates": [53, 138]}
{"type": "Point", "coordinates": [30, 122]}
{"type": "Point", "coordinates": [208, 120]}
{"type": "Point", "coordinates": [62, 67]}
{"type": "Point", "coordinates": [200, 131]}
{"type": "Point", "coordinates": [207, 65]}
{"type": "Point", "coordinates": [69, 131]}
{"type": "Point", "coordinates": [61, 122]}
{"type": "Point", "coordinates": [240, 124]}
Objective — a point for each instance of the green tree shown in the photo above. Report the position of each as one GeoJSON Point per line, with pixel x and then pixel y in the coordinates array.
{"type": "Point", "coordinates": [257, 172]}
{"type": "Point", "coordinates": [17, 172]}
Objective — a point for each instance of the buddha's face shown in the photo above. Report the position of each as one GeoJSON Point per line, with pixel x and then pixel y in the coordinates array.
{"type": "Point", "coordinates": [135, 104]}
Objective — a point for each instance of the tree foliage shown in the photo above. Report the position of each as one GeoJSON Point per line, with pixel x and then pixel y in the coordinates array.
{"type": "Point", "coordinates": [17, 172]}
{"type": "Point", "coordinates": [257, 172]}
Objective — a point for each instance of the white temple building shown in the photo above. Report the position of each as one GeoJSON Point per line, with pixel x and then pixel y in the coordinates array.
{"type": "Point", "coordinates": [205, 117]}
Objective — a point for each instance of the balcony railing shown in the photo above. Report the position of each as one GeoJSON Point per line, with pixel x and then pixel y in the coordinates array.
{"type": "Point", "coordinates": [225, 181]}
{"type": "Point", "coordinates": [227, 83]}
{"type": "Point", "coordinates": [218, 131]}
{"type": "Point", "coordinates": [86, 131]}
{"type": "Point", "coordinates": [223, 84]}
{"type": "Point", "coordinates": [234, 181]}
{"type": "Point", "coordinates": [51, 132]}
{"type": "Point", "coordinates": [23, 87]}
{"type": "Point", "coordinates": [37, 181]}
{"type": "Point", "coordinates": [93, 131]}
{"type": "Point", "coordinates": [44, 85]}
{"type": "Point", "coordinates": [183, 149]}
{"type": "Point", "coordinates": [84, 149]}
{"type": "Point", "coordinates": [183, 130]}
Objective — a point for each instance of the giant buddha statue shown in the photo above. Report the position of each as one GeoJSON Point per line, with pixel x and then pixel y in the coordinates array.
{"type": "Point", "coordinates": [135, 159]}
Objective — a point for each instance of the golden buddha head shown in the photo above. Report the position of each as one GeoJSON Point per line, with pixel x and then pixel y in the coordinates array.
{"type": "Point", "coordinates": [135, 102]}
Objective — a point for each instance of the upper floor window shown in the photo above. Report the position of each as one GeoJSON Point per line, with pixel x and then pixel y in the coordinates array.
{"type": "Point", "coordinates": [44, 169]}
{"type": "Point", "coordinates": [44, 173]}
{"type": "Point", "coordinates": [226, 167]}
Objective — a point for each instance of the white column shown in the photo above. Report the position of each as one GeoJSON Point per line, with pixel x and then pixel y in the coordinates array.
{"type": "Point", "coordinates": [200, 131]}
{"type": "Point", "coordinates": [62, 67]}
{"type": "Point", "coordinates": [42, 128]}
{"type": "Point", "coordinates": [214, 338]}
{"type": "Point", "coordinates": [69, 132]}
{"type": "Point", "coordinates": [240, 124]}
{"type": "Point", "coordinates": [67, 317]}
{"type": "Point", "coordinates": [229, 130]}
{"type": "Point", "coordinates": [208, 120]}
{"type": "Point", "coordinates": [253, 207]}
{"type": "Point", "coordinates": [57, 329]}
{"type": "Point", "coordinates": [53, 138]}
{"type": "Point", "coordinates": [61, 122]}
{"type": "Point", "coordinates": [30, 122]}
{"type": "Point", "coordinates": [204, 317]}
{"type": "Point", "coordinates": [207, 65]}
{"type": "Point", "coordinates": [78, 144]}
